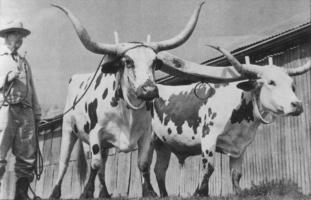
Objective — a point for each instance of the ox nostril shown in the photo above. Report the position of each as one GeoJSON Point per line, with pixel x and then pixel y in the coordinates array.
{"type": "Point", "coordinates": [296, 104]}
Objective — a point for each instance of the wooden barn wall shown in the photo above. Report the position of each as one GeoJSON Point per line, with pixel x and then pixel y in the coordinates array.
{"type": "Point", "coordinates": [281, 151]}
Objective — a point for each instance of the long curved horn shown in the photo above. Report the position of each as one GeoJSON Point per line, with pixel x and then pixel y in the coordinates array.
{"type": "Point", "coordinates": [247, 70]}
{"type": "Point", "coordinates": [182, 37]}
{"type": "Point", "coordinates": [299, 70]}
{"type": "Point", "coordinates": [95, 47]}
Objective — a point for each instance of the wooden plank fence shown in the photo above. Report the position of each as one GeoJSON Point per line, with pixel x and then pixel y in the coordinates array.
{"type": "Point", "coordinates": [281, 151]}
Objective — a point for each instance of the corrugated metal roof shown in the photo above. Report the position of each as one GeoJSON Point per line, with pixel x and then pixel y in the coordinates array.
{"type": "Point", "coordinates": [294, 24]}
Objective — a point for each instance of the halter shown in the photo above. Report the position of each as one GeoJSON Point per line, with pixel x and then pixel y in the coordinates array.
{"type": "Point", "coordinates": [257, 113]}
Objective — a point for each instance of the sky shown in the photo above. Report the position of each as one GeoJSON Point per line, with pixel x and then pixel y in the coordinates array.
{"type": "Point", "coordinates": [55, 52]}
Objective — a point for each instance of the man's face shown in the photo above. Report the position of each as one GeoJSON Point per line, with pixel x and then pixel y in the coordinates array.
{"type": "Point", "coordinates": [14, 40]}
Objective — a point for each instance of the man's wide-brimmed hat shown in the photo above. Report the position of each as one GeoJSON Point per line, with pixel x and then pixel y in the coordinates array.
{"type": "Point", "coordinates": [13, 26]}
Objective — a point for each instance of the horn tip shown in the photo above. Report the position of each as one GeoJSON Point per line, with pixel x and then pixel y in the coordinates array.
{"type": "Point", "coordinates": [201, 3]}
{"type": "Point", "coordinates": [214, 47]}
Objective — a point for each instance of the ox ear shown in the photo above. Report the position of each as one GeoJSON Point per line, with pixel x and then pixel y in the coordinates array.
{"type": "Point", "coordinates": [111, 67]}
{"type": "Point", "coordinates": [248, 85]}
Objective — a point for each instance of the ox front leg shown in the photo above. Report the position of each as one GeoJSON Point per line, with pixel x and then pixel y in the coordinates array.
{"type": "Point", "coordinates": [67, 143]}
{"type": "Point", "coordinates": [161, 165]}
{"type": "Point", "coordinates": [96, 163]}
{"type": "Point", "coordinates": [236, 173]}
{"type": "Point", "coordinates": [145, 153]}
{"type": "Point", "coordinates": [101, 175]}
{"type": "Point", "coordinates": [208, 150]}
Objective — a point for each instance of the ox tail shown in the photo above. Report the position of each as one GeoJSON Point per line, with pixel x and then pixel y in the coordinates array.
{"type": "Point", "coordinates": [81, 163]}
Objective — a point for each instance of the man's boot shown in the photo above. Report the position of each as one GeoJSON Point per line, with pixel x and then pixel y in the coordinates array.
{"type": "Point", "coordinates": [21, 189]}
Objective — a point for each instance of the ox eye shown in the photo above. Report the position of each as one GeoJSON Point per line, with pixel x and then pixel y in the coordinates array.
{"type": "Point", "coordinates": [271, 83]}
{"type": "Point", "coordinates": [157, 64]}
{"type": "Point", "coordinates": [128, 63]}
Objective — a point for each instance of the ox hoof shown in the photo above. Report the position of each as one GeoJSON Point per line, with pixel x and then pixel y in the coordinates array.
{"type": "Point", "coordinates": [104, 194]}
{"type": "Point", "coordinates": [148, 191]}
{"type": "Point", "coordinates": [56, 193]}
{"type": "Point", "coordinates": [237, 190]}
{"type": "Point", "coordinates": [202, 192]}
{"type": "Point", "coordinates": [88, 192]}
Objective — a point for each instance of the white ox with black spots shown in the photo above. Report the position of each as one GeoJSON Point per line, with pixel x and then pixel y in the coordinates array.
{"type": "Point", "coordinates": [114, 111]}
{"type": "Point", "coordinates": [225, 121]}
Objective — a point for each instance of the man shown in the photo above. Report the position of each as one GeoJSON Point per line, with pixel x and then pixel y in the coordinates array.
{"type": "Point", "coordinates": [19, 108]}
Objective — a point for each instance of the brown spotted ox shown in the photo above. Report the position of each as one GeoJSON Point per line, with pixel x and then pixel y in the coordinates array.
{"type": "Point", "coordinates": [114, 111]}
{"type": "Point", "coordinates": [224, 118]}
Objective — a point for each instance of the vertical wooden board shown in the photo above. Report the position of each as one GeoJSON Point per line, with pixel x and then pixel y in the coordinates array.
{"type": "Point", "coordinates": [173, 177]}
{"type": "Point", "coordinates": [47, 183]}
{"type": "Point", "coordinates": [124, 167]}
{"type": "Point", "coordinates": [47, 147]}
{"type": "Point", "coordinates": [135, 183]}
{"type": "Point", "coordinates": [74, 153]}
{"type": "Point", "coordinates": [11, 185]}
{"type": "Point", "coordinates": [66, 185]}
{"type": "Point", "coordinates": [226, 177]}
{"type": "Point", "coordinates": [7, 185]}
{"type": "Point", "coordinates": [111, 173]}
{"type": "Point", "coordinates": [76, 186]}
{"type": "Point", "coordinates": [56, 145]}
{"type": "Point", "coordinates": [40, 183]}
{"type": "Point", "coordinates": [190, 175]}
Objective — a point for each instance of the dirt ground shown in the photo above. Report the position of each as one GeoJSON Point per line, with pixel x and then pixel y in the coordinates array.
{"type": "Point", "coordinates": [283, 190]}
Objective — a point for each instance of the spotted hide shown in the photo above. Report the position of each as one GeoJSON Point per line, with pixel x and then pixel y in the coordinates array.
{"type": "Point", "coordinates": [183, 124]}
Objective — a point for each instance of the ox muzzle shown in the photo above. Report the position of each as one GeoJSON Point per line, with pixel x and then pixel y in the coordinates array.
{"type": "Point", "coordinates": [297, 107]}
{"type": "Point", "coordinates": [148, 91]}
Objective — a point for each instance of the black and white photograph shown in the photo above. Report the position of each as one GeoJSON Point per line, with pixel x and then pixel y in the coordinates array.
{"type": "Point", "coordinates": [155, 99]}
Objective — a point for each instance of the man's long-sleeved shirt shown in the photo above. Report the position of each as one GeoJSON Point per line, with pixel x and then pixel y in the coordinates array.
{"type": "Point", "coordinates": [23, 86]}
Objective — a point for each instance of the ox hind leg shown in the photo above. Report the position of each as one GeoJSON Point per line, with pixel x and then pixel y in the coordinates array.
{"type": "Point", "coordinates": [101, 175]}
{"type": "Point", "coordinates": [67, 143]}
{"type": "Point", "coordinates": [236, 172]}
{"type": "Point", "coordinates": [208, 144]}
{"type": "Point", "coordinates": [145, 153]}
{"type": "Point", "coordinates": [161, 165]}
{"type": "Point", "coordinates": [96, 162]}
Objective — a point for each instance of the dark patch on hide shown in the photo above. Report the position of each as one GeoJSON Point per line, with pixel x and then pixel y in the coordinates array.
{"type": "Point", "coordinates": [210, 154]}
{"type": "Point", "coordinates": [149, 107]}
{"type": "Point", "coordinates": [163, 138]}
{"type": "Point", "coordinates": [192, 137]}
{"type": "Point", "coordinates": [178, 63]}
{"type": "Point", "coordinates": [205, 130]}
{"type": "Point", "coordinates": [92, 113]}
{"type": "Point", "coordinates": [206, 152]}
{"type": "Point", "coordinates": [244, 112]}
{"type": "Point", "coordinates": [95, 149]}
{"type": "Point", "coordinates": [169, 131]}
{"type": "Point", "coordinates": [105, 94]}
{"type": "Point", "coordinates": [114, 85]}
{"type": "Point", "coordinates": [70, 80]}
{"type": "Point", "coordinates": [86, 127]}
{"type": "Point", "coordinates": [117, 96]}
{"type": "Point", "coordinates": [98, 80]}
{"type": "Point", "coordinates": [85, 107]}
{"type": "Point", "coordinates": [183, 107]}
{"type": "Point", "coordinates": [75, 129]}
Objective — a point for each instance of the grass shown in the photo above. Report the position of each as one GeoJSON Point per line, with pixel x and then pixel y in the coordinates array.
{"type": "Point", "coordinates": [274, 190]}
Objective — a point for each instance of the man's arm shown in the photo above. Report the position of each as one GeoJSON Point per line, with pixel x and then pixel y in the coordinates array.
{"type": "Point", "coordinates": [35, 102]}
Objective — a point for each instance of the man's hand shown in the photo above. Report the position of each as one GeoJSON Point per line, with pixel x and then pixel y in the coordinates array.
{"type": "Point", "coordinates": [13, 75]}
